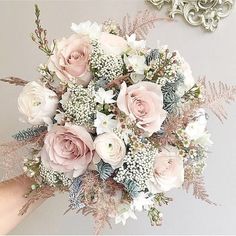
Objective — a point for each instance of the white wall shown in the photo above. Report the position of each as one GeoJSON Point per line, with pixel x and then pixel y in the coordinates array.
{"type": "Point", "coordinates": [210, 54]}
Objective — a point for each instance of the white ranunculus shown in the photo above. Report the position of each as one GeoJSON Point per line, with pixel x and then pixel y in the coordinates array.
{"type": "Point", "coordinates": [37, 103]}
{"type": "Point", "coordinates": [168, 171]}
{"type": "Point", "coordinates": [93, 30]}
{"type": "Point", "coordinates": [110, 148]}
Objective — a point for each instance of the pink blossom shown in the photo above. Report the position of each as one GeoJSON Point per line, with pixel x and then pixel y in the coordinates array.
{"type": "Point", "coordinates": [68, 149]}
{"type": "Point", "coordinates": [143, 102]}
{"type": "Point", "coordinates": [70, 59]}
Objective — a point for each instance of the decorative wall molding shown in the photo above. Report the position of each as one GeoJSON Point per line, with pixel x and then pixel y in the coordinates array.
{"type": "Point", "coordinates": [205, 13]}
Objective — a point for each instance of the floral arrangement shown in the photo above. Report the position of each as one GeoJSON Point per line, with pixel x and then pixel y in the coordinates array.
{"type": "Point", "coordinates": [114, 123]}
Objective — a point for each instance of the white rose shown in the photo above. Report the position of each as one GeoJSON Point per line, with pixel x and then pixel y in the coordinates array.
{"type": "Point", "coordinates": [37, 103]}
{"type": "Point", "coordinates": [110, 149]}
{"type": "Point", "coordinates": [168, 171]}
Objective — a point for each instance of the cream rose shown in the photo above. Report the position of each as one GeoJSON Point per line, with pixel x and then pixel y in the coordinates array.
{"type": "Point", "coordinates": [113, 44]}
{"type": "Point", "coordinates": [168, 171]}
{"type": "Point", "coordinates": [37, 103]}
{"type": "Point", "coordinates": [110, 148]}
{"type": "Point", "coordinates": [70, 59]}
{"type": "Point", "coordinates": [143, 103]}
{"type": "Point", "coordinates": [68, 149]}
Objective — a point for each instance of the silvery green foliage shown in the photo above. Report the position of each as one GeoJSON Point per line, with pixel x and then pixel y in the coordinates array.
{"type": "Point", "coordinates": [100, 83]}
{"type": "Point", "coordinates": [29, 133]}
{"type": "Point", "coordinates": [152, 55]}
{"type": "Point", "coordinates": [170, 97]}
{"type": "Point", "coordinates": [131, 187]}
{"type": "Point", "coordinates": [74, 194]}
{"type": "Point", "coordinates": [105, 170]}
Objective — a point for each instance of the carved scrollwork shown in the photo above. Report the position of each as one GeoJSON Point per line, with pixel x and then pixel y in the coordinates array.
{"type": "Point", "coordinates": [206, 13]}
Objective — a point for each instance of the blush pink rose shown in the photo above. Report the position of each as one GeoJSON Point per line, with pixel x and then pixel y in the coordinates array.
{"type": "Point", "coordinates": [68, 149]}
{"type": "Point", "coordinates": [168, 171]}
{"type": "Point", "coordinates": [70, 59]}
{"type": "Point", "coordinates": [143, 103]}
{"type": "Point", "coordinates": [113, 44]}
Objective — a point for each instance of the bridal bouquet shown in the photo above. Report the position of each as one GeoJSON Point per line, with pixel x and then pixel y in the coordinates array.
{"type": "Point", "coordinates": [114, 123]}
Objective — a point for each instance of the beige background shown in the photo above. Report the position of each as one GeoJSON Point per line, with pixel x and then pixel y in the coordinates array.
{"type": "Point", "coordinates": [210, 54]}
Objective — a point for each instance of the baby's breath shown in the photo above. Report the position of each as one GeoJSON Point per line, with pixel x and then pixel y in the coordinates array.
{"type": "Point", "coordinates": [105, 66]}
{"type": "Point", "coordinates": [80, 108]}
{"type": "Point", "coordinates": [138, 163]}
{"type": "Point", "coordinates": [54, 178]}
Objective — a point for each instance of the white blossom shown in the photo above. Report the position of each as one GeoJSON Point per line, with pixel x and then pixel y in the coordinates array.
{"type": "Point", "coordinates": [93, 30]}
{"type": "Point", "coordinates": [137, 63]}
{"type": "Point", "coordinates": [135, 44]}
{"type": "Point", "coordinates": [186, 71]}
{"type": "Point", "coordinates": [104, 123]}
{"type": "Point", "coordinates": [142, 202]}
{"type": "Point", "coordinates": [124, 213]}
{"type": "Point", "coordinates": [102, 96]}
{"type": "Point", "coordinates": [196, 130]}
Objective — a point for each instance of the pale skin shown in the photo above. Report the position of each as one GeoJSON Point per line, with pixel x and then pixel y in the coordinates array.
{"type": "Point", "coordinates": [12, 199]}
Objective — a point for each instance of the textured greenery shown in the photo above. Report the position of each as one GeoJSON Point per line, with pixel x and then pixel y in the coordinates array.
{"type": "Point", "coordinates": [105, 170]}
{"type": "Point", "coordinates": [152, 56]}
{"type": "Point", "coordinates": [29, 133]}
{"type": "Point", "coordinates": [161, 199]}
{"type": "Point", "coordinates": [155, 216]}
{"type": "Point", "coordinates": [131, 187]}
{"type": "Point", "coordinates": [170, 97]}
{"type": "Point", "coordinates": [74, 196]}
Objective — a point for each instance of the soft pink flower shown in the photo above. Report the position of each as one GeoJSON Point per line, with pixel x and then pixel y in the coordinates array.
{"type": "Point", "coordinates": [113, 44]}
{"type": "Point", "coordinates": [68, 149]}
{"type": "Point", "coordinates": [70, 59]}
{"type": "Point", "coordinates": [143, 103]}
{"type": "Point", "coordinates": [168, 171]}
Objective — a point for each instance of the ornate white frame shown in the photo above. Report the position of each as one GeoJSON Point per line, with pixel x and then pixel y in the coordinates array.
{"type": "Point", "coordinates": [206, 13]}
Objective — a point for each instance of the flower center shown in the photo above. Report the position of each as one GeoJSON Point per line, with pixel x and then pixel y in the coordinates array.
{"type": "Point", "coordinates": [75, 56]}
